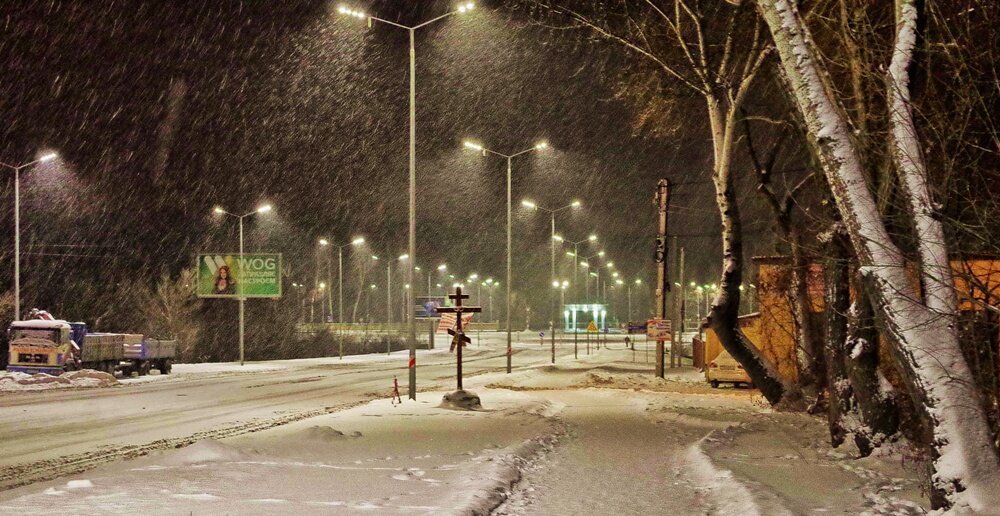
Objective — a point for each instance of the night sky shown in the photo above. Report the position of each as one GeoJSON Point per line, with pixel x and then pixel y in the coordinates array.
{"type": "Point", "coordinates": [162, 110]}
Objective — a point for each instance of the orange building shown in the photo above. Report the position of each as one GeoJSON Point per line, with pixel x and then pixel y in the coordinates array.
{"type": "Point", "coordinates": [772, 328]}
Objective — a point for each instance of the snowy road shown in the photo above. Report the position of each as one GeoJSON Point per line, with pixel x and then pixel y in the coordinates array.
{"type": "Point", "coordinates": [54, 433]}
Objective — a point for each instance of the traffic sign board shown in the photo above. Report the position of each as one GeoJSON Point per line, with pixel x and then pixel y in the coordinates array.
{"type": "Point", "coordinates": [659, 329]}
{"type": "Point", "coordinates": [592, 327]}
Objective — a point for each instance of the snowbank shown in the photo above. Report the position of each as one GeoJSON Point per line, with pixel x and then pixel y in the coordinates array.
{"type": "Point", "coordinates": [12, 381]}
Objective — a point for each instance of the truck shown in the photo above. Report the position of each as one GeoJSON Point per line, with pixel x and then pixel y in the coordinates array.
{"type": "Point", "coordinates": [56, 346]}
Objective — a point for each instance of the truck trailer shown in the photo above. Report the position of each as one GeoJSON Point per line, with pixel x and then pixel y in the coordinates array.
{"type": "Point", "coordinates": [55, 346]}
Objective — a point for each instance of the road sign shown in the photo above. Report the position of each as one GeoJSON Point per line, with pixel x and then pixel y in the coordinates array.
{"type": "Point", "coordinates": [592, 327]}
{"type": "Point", "coordinates": [541, 334]}
{"type": "Point", "coordinates": [223, 275]}
{"type": "Point", "coordinates": [659, 329]}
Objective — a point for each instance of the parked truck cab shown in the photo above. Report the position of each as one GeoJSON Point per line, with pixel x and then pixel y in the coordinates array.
{"type": "Point", "coordinates": [41, 347]}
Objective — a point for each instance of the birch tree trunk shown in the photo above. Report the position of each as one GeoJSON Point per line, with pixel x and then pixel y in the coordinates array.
{"type": "Point", "coordinates": [723, 317]}
{"type": "Point", "coordinates": [966, 470]}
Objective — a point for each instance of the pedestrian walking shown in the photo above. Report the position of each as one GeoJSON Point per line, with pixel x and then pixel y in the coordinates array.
{"type": "Point", "coordinates": [395, 392]}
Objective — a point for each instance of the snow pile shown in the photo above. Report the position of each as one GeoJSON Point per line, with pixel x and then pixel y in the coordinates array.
{"type": "Point", "coordinates": [205, 451]}
{"type": "Point", "coordinates": [462, 400]}
{"type": "Point", "coordinates": [13, 381]}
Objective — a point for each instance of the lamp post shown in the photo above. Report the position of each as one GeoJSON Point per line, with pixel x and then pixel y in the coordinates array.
{"type": "Point", "coordinates": [552, 211]}
{"type": "Point", "coordinates": [239, 283]}
{"type": "Point", "coordinates": [412, 248]}
{"type": "Point", "coordinates": [17, 225]}
{"type": "Point", "coordinates": [510, 158]}
{"type": "Point", "coordinates": [637, 282]}
{"type": "Point", "coordinates": [575, 254]}
{"type": "Point", "coordinates": [340, 274]}
{"type": "Point", "coordinates": [586, 278]}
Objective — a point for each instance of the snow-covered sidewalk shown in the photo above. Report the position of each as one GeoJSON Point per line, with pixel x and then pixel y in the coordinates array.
{"type": "Point", "coordinates": [411, 458]}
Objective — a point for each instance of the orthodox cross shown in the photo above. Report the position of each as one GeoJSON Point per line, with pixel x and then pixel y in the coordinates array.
{"type": "Point", "coordinates": [459, 339]}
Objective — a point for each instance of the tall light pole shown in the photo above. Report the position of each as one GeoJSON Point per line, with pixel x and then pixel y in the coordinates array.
{"type": "Point", "coordinates": [510, 158]}
{"type": "Point", "coordinates": [239, 282]}
{"type": "Point", "coordinates": [340, 275]}
{"type": "Point", "coordinates": [553, 312]}
{"type": "Point", "coordinates": [412, 248]}
{"type": "Point", "coordinates": [637, 282]}
{"type": "Point", "coordinates": [17, 225]}
{"type": "Point", "coordinates": [575, 253]}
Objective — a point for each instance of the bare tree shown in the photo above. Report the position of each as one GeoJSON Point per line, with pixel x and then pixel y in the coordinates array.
{"type": "Point", "coordinates": [922, 328]}
{"type": "Point", "coordinates": [713, 50]}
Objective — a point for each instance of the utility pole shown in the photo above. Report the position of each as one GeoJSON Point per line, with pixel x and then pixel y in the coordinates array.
{"type": "Point", "coordinates": [679, 305]}
{"type": "Point", "coordinates": [662, 281]}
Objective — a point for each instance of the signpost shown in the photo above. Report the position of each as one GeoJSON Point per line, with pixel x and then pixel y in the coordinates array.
{"type": "Point", "coordinates": [660, 330]}
{"type": "Point", "coordinates": [459, 339]}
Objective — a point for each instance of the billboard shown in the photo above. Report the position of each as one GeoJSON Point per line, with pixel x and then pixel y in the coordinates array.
{"type": "Point", "coordinates": [224, 276]}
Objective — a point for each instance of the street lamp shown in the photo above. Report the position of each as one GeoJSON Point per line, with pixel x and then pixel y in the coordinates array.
{"type": "Point", "coordinates": [552, 211]}
{"type": "Point", "coordinates": [575, 253]}
{"type": "Point", "coordinates": [510, 158]}
{"type": "Point", "coordinates": [412, 250]}
{"type": "Point", "coordinates": [239, 283]}
{"type": "Point", "coordinates": [17, 225]}
{"type": "Point", "coordinates": [340, 275]}
{"type": "Point", "coordinates": [637, 282]}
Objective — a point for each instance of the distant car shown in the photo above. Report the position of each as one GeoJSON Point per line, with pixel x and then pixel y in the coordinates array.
{"type": "Point", "coordinates": [725, 368]}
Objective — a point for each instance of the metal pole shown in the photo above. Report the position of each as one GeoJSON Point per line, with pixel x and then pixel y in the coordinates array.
{"type": "Point", "coordinates": [411, 321]}
{"type": "Point", "coordinates": [388, 292]}
{"type": "Point", "coordinates": [629, 290]}
{"type": "Point", "coordinates": [239, 291]}
{"type": "Point", "coordinates": [340, 302]}
{"type": "Point", "coordinates": [17, 243]}
{"type": "Point", "coordinates": [680, 300]}
{"type": "Point", "coordinates": [554, 309]}
{"type": "Point", "coordinates": [509, 347]}
{"type": "Point", "coordinates": [576, 284]}
{"type": "Point", "coordinates": [329, 284]}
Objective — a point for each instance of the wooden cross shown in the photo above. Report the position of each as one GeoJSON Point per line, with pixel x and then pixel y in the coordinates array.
{"type": "Point", "coordinates": [460, 340]}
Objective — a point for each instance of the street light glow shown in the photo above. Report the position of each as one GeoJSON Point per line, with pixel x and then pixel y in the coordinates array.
{"type": "Point", "coordinates": [528, 204]}
{"type": "Point", "coordinates": [555, 284]}
{"type": "Point", "coordinates": [557, 238]}
{"type": "Point", "coordinates": [219, 210]}
{"type": "Point", "coordinates": [324, 241]}
{"type": "Point", "coordinates": [576, 204]}
{"type": "Point", "coordinates": [404, 257]}
{"type": "Point", "coordinates": [639, 282]}
{"type": "Point", "coordinates": [592, 238]}
{"type": "Point", "coordinates": [264, 209]}
{"type": "Point", "coordinates": [584, 264]}
{"type": "Point", "coordinates": [442, 267]}
{"type": "Point", "coordinates": [619, 282]}
{"type": "Point", "coordinates": [343, 9]}
{"type": "Point", "coordinates": [472, 145]}
{"type": "Point", "coordinates": [601, 254]}
{"type": "Point", "coordinates": [374, 257]}
{"type": "Point", "coordinates": [570, 253]}
{"type": "Point", "coordinates": [358, 241]}
{"type": "Point", "coordinates": [466, 7]}
{"type": "Point", "coordinates": [48, 157]}
{"type": "Point", "coordinates": [541, 145]}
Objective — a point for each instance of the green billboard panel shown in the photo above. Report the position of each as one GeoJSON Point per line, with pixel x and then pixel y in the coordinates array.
{"type": "Point", "coordinates": [226, 275]}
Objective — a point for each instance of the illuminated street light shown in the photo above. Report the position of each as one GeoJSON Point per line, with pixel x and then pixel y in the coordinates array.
{"type": "Point", "coordinates": [552, 211]}
{"type": "Point", "coordinates": [239, 284]}
{"type": "Point", "coordinates": [17, 224]}
{"type": "Point", "coordinates": [510, 158]}
{"type": "Point", "coordinates": [412, 243]}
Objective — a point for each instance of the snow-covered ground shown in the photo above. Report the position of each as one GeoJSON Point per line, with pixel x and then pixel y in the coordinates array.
{"type": "Point", "coordinates": [596, 435]}
{"type": "Point", "coordinates": [20, 382]}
